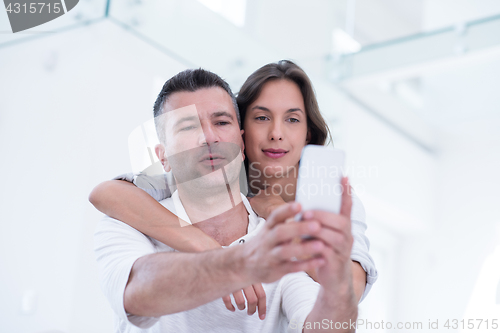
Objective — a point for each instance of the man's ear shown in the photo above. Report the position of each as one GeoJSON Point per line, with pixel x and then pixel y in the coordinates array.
{"type": "Point", "coordinates": [160, 152]}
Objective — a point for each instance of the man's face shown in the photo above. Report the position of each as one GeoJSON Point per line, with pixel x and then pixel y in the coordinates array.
{"type": "Point", "coordinates": [202, 134]}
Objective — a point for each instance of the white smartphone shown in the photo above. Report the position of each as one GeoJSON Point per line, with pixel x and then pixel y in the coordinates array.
{"type": "Point", "coordinates": [319, 180]}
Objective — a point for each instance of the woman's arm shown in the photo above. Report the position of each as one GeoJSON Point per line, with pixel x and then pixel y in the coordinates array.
{"type": "Point", "coordinates": [126, 202]}
{"type": "Point", "coordinates": [358, 280]}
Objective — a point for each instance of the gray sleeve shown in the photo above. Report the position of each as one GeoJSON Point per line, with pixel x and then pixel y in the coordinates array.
{"type": "Point", "coordinates": [361, 244]}
{"type": "Point", "coordinates": [128, 177]}
{"type": "Point", "coordinates": [156, 186]}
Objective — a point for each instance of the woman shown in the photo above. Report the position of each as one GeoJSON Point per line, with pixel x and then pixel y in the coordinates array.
{"type": "Point", "coordinates": [279, 115]}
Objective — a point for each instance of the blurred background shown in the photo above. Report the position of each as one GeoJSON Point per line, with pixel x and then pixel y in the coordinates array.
{"type": "Point", "coordinates": [410, 89]}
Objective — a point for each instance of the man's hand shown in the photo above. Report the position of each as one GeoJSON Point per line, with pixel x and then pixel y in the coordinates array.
{"type": "Point", "coordinates": [336, 300]}
{"type": "Point", "coordinates": [271, 254]}
{"type": "Point", "coordinates": [337, 242]}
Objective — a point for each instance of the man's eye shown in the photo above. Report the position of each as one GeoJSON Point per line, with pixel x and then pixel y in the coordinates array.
{"type": "Point", "coordinates": [223, 123]}
{"type": "Point", "coordinates": [187, 128]}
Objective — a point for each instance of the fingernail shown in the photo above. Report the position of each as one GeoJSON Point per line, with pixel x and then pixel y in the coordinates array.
{"type": "Point", "coordinates": [262, 316]}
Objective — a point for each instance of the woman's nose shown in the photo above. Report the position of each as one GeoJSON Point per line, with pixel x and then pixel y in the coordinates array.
{"type": "Point", "coordinates": [276, 133]}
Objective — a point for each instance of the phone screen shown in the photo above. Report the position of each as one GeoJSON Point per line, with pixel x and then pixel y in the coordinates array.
{"type": "Point", "coordinates": [319, 180]}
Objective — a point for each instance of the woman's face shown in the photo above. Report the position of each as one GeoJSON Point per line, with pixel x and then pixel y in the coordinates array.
{"type": "Point", "coordinates": [276, 128]}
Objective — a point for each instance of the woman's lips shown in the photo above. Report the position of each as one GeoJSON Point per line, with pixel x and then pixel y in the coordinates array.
{"type": "Point", "coordinates": [274, 153]}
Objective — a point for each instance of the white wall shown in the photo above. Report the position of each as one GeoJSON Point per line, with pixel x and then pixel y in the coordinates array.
{"type": "Point", "coordinates": [68, 104]}
{"type": "Point", "coordinates": [446, 270]}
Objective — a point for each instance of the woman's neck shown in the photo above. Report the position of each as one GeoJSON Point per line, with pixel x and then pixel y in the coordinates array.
{"type": "Point", "coordinates": [283, 185]}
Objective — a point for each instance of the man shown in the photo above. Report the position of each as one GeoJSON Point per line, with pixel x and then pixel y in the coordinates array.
{"type": "Point", "coordinates": [149, 285]}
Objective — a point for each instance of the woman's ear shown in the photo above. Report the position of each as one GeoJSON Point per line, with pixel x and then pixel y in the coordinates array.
{"type": "Point", "coordinates": [160, 152]}
{"type": "Point", "coordinates": [242, 132]}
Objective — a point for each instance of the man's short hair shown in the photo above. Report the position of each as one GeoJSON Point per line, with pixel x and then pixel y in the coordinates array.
{"type": "Point", "coordinates": [189, 80]}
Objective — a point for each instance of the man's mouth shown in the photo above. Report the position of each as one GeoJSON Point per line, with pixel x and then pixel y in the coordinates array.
{"type": "Point", "coordinates": [211, 157]}
{"type": "Point", "coordinates": [274, 153]}
{"type": "Point", "coordinates": [212, 160]}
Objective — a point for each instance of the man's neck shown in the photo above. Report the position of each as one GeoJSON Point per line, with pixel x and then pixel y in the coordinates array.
{"type": "Point", "coordinates": [220, 212]}
{"type": "Point", "coordinates": [227, 227]}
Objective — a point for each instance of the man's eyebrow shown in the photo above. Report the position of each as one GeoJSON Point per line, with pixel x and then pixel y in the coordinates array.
{"type": "Point", "coordinates": [263, 108]}
{"type": "Point", "coordinates": [222, 114]}
{"type": "Point", "coordinates": [183, 119]}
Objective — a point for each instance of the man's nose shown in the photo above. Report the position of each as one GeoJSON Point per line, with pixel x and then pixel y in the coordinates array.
{"type": "Point", "coordinates": [276, 132]}
{"type": "Point", "coordinates": [208, 135]}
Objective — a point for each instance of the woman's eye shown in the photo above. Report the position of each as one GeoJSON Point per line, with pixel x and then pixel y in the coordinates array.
{"type": "Point", "coordinates": [261, 118]}
{"type": "Point", "coordinates": [293, 120]}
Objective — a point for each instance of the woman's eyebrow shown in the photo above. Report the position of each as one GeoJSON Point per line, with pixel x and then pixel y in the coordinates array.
{"type": "Point", "coordinates": [258, 107]}
{"type": "Point", "coordinates": [294, 110]}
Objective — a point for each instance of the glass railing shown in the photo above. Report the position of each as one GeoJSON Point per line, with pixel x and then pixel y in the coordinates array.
{"type": "Point", "coordinates": [449, 42]}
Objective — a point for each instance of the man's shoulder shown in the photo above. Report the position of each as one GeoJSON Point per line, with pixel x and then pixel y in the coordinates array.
{"type": "Point", "coordinates": [108, 223]}
{"type": "Point", "coordinates": [112, 231]}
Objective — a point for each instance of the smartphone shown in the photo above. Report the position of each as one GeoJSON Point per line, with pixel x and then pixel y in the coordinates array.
{"type": "Point", "coordinates": [319, 180]}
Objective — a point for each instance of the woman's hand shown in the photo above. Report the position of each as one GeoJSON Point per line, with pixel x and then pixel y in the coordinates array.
{"type": "Point", "coordinates": [265, 202]}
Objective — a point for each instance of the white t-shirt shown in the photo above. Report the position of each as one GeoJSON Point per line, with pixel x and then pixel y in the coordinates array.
{"type": "Point", "coordinates": [118, 246]}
